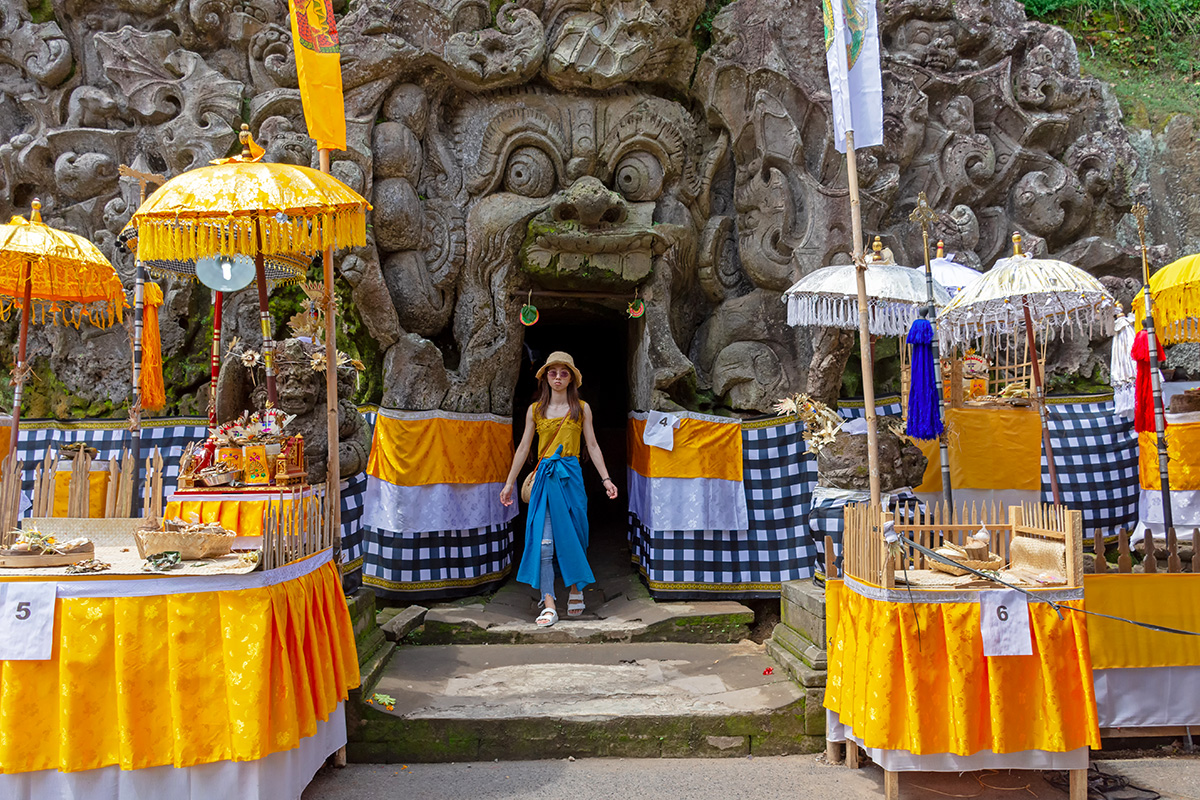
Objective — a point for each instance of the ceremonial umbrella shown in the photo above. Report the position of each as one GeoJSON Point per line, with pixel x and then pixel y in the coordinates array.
{"type": "Point", "coordinates": [1019, 293]}
{"type": "Point", "coordinates": [1175, 293]}
{"type": "Point", "coordinates": [243, 207]}
{"type": "Point", "coordinates": [952, 275]}
{"type": "Point", "coordinates": [827, 298]}
{"type": "Point", "coordinates": [47, 271]}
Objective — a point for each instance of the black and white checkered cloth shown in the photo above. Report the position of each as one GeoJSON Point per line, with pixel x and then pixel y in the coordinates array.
{"type": "Point", "coordinates": [887, 406]}
{"type": "Point", "coordinates": [778, 476]}
{"type": "Point", "coordinates": [827, 518]}
{"type": "Point", "coordinates": [1096, 458]}
{"type": "Point", "coordinates": [437, 564]}
{"type": "Point", "coordinates": [354, 490]}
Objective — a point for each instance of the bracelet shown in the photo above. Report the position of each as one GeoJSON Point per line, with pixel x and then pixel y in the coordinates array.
{"type": "Point", "coordinates": [606, 480]}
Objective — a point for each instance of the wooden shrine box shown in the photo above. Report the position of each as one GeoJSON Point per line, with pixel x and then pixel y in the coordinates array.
{"type": "Point", "coordinates": [290, 467]}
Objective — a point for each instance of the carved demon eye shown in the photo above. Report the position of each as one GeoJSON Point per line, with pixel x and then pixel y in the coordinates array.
{"type": "Point", "coordinates": [529, 172]}
{"type": "Point", "coordinates": [639, 177]}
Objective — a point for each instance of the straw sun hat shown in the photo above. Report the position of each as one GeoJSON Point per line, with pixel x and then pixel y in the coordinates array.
{"type": "Point", "coordinates": [559, 357]}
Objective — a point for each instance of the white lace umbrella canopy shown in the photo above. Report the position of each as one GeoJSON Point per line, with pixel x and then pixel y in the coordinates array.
{"type": "Point", "coordinates": [828, 298]}
{"type": "Point", "coordinates": [950, 274]}
{"type": "Point", "coordinates": [1058, 295]}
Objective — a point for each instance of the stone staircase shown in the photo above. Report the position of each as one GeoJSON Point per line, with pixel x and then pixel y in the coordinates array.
{"type": "Point", "coordinates": [477, 680]}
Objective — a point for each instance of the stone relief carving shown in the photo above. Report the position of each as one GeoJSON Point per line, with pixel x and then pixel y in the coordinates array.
{"type": "Point", "coordinates": [579, 147]}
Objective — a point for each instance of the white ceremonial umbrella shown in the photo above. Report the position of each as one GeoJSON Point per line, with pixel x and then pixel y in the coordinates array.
{"type": "Point", "coordinates": [1021, 293]}
{"type": "Point", "coordinates": [828, 297]}
{"type": "Point", "coordinates": [952, 275]}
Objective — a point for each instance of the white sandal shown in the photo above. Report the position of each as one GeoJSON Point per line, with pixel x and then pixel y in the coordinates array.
{"type": "Point", "coordinates": [575, 604]}
{"type": "Point", "coordinates": [546, 618]}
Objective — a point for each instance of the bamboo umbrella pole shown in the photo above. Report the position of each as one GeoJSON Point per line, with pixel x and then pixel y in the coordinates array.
{"type": "Point", "coordinates": [864, 334]}
{"type": "Point", "coordinates": [925, 215]}
{"type": "Point", "coordinates": [19, 373]}
{"type": "Point", "coordinates": [1160, 422]}
{"type": "Point", "coordinates": [333, 480]}
{"type": "Point", "coordinates": [1040, 395]}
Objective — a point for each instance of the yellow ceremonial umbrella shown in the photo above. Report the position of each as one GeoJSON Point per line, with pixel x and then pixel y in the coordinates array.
{"type": "Point", "coordinates": [241, 206]}
{"type": "Point", "coordinates": [47, 271]}
{"type": "Point", "coordinates": [1175, 291]}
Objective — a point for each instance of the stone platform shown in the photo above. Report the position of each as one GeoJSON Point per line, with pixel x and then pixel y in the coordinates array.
{"type": "Point", "coordinates": [473, 702]}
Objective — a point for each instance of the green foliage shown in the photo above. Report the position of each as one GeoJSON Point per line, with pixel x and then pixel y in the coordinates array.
{"type": "Point", "coordinates": [42, 12]}
{"type": "Point", "coordinates": [1148, 50]}
{"type": "Point", "coordinates": [702, 34]}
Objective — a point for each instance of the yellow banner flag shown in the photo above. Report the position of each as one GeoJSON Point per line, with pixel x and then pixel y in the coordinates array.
{"type": "Point", "coordinates": [319, 67]}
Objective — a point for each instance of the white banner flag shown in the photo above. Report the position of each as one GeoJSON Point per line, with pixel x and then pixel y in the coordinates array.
{"type": "Point", "coordinates": [855, 80]}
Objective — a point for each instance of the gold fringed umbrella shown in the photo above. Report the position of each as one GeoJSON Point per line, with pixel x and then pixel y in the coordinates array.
{"type": "Point", "coordinates": [47, 271]}
{"type": "Point", "coordinates": [241, 206]}
{"type": "Point", "coordinates": [1175, 291]}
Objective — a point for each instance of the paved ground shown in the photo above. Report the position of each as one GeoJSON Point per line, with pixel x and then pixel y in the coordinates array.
{"type": "Point", "coordinates": [781, 778]}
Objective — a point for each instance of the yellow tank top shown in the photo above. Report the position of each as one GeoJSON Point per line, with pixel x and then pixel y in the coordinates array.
{"type": "Point", "coordinates": [568, 436]}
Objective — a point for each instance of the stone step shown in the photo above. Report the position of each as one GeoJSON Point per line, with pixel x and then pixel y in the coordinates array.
{"type": "Point", "coordinates": [538, 701]}
{"type": "Point", "coordinates": [618, 611]}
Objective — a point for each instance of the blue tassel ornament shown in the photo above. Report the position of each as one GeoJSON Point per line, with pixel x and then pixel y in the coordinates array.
{"type": "Point", "coordinates": [923, 419]}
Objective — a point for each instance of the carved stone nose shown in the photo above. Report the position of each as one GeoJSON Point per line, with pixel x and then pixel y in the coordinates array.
{"type": "Point", "coordinates": [590, 203]}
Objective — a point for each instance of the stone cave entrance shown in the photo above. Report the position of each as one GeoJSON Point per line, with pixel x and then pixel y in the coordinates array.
{"type": "Point", "coordinates": [598, 337]}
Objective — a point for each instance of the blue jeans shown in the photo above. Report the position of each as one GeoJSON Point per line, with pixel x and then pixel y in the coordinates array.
{"type": "Point", "coordinates": [547, 575]}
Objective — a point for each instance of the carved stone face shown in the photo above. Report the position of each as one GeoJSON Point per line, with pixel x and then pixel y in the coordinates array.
{"type": "Point", "coordinates": [602, 183]}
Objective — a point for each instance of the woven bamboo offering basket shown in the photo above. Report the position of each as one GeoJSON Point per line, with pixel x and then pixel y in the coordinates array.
{"type": "Point", "coordinates": [193, 542]}
{"type": "Point", "coordinates": [959, 554]}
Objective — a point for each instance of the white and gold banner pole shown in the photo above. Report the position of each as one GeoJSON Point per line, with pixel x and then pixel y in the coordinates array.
{"type": "Point", "coordinates": [1160, 422]}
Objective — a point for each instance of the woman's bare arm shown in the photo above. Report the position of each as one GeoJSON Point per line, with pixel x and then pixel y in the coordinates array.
{"type": "Point", "coordinates": [519, 458]}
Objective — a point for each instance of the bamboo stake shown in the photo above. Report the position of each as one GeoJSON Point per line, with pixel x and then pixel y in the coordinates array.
{"type": "Point", "coordinates": [1124, 557]}
{"type": "Point", "coordinates": [1150, 562]}
{"type": "Point", "coordinates": [1101, 562]}
{"type": "Point", "coordinates": [114, 486]}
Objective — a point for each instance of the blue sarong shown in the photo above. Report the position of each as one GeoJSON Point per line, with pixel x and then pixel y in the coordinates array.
{"type": "Point", "coordinates": [557, 491]}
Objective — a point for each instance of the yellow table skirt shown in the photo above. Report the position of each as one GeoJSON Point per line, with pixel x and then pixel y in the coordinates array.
{"type": "Point", "coordinates": [181, 679]}
{"type": "Point", "coordinates": [938, 693]}
{"type": "Point", "coordinates": [240, 514]}
{"type": "Point", "coordinates": [1172, 601]}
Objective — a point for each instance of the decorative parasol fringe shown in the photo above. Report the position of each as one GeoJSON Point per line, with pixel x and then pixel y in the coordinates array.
{"type": "Point", "coordinates": [101, 313]}
{"type": "Point", "coordinates": [884, 319]}
{"type": "Point", "coordinates": [188, 240]}
{"type": "Point", "coordinates": [990, 323]}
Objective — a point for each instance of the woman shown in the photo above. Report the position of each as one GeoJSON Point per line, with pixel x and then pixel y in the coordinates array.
{"type": "Point", "coordinates": [557, 505]}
